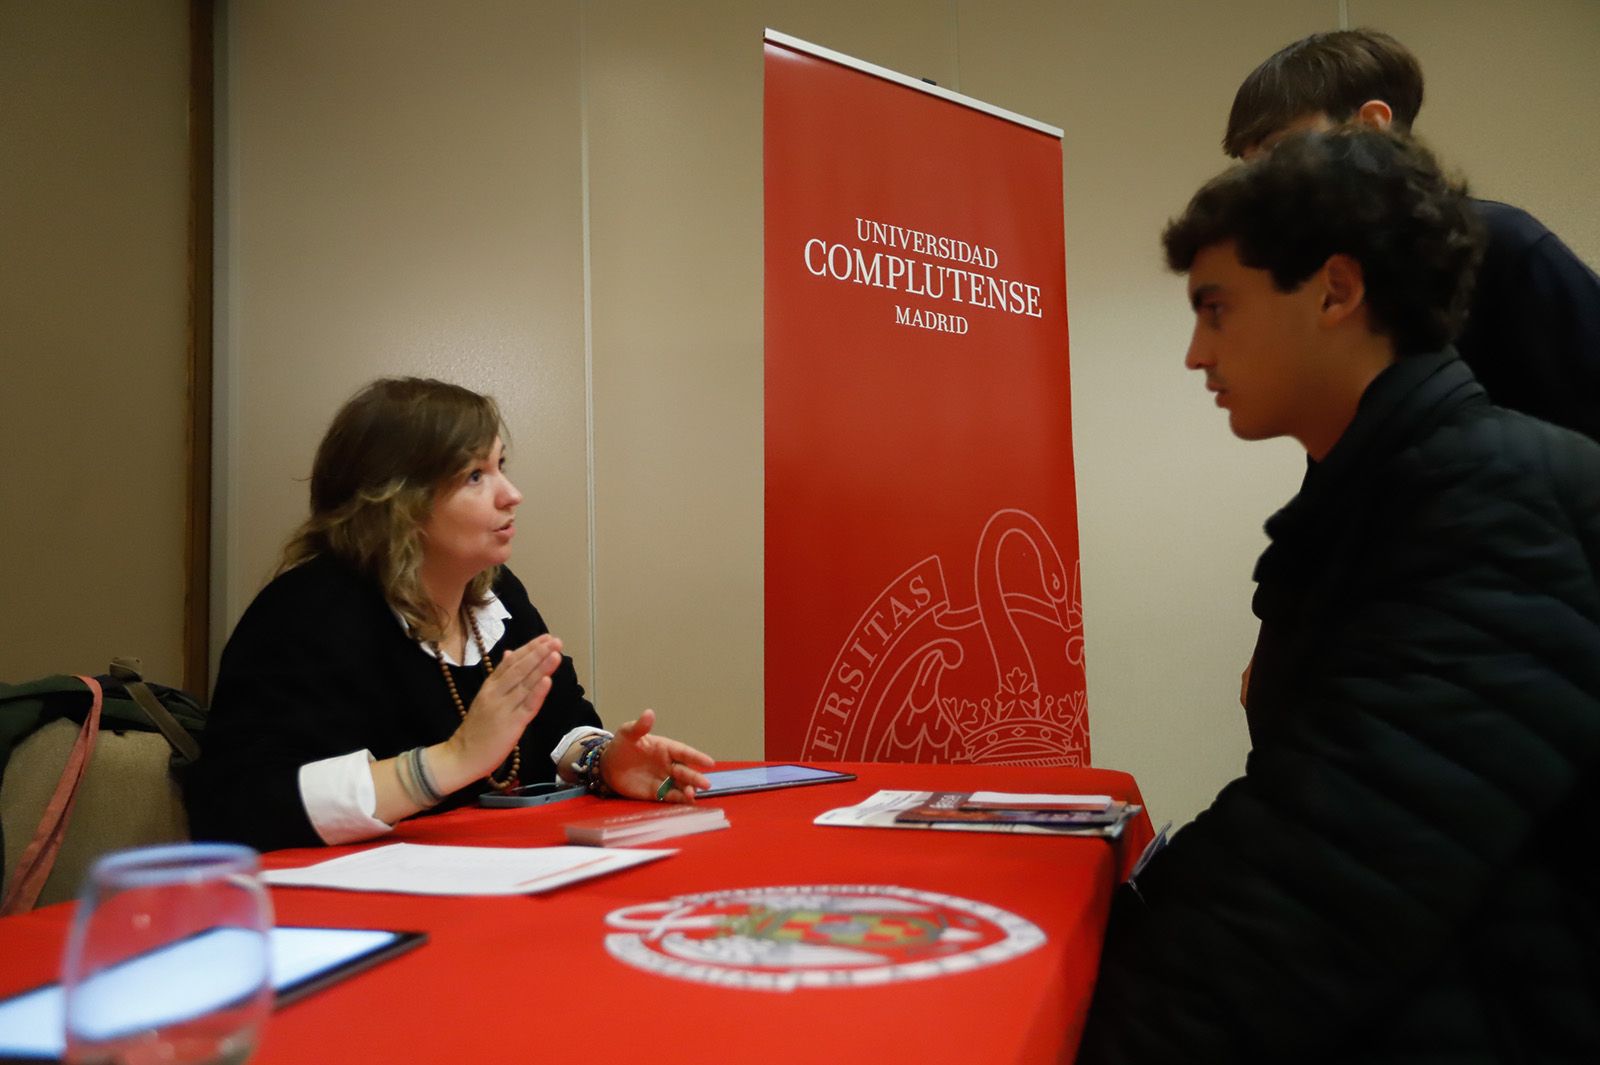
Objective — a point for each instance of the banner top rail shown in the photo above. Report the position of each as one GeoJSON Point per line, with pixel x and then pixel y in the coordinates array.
{"type": "Point", "coordinates": [909, 82]}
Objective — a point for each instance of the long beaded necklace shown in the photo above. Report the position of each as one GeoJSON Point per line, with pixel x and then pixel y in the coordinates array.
{"type": "Point", "coordinates": [511, 779]}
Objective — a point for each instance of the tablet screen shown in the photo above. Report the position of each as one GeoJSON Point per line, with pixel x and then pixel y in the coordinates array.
{"type": "Point", "coordinates": [303, 960]}
{"type": "Point", "coordinates": [761, 778]}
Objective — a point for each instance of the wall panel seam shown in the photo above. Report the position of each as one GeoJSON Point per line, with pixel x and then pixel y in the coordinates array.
{"type": "Point", "coordinates": [201, 293]}
{"type": "Point", "coordinates": [588, 345]}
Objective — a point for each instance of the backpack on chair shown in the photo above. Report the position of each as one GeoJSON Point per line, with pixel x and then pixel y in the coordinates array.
{"type": "Point", "coordinates": [95, 754]}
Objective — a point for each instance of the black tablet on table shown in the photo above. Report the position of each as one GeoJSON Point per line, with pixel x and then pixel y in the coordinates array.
{"type": "Point", "coordinates": [767, 777]}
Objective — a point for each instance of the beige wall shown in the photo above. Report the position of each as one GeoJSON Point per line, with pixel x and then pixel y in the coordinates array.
{"type": "Point", "coordinates": [562, 204]}
{"type": "Point", "coordinates": [399, 193]}
{"type": "Point", "coordinates": [1511, 100]}
{"type": "Point", "coordinates": [93, 334]}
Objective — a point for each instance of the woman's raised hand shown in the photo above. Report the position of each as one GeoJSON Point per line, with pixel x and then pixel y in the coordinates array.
{"type": "Point", "coordinates": [509, 699]}
{"type": "Point", "coordinates": [638, 764]}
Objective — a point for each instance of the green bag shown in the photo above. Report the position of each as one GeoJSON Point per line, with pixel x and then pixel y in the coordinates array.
{"type": "Point", "coordinates": [128, 700]}
{"type": "Point", "coordinates": [136, 800]}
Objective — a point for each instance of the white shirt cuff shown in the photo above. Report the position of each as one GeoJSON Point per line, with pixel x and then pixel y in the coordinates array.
{"type": "Point", "coordinates": [573, 736]}
{"type": "Point", "coordinates": [340, 799]}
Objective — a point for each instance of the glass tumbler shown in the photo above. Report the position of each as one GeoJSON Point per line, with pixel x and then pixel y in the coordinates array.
{"type": "Point", "coordinates": [168, 960]}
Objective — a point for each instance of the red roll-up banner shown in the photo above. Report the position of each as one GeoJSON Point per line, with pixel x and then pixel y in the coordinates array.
{"type": "Point", "coordinates": [922, 600]}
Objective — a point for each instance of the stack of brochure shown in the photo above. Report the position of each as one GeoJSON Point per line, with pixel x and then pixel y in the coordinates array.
{"type": "Point", "coordinates": [988, 811]}
{"type": "Point", "coordinates": [1079, 814]}
{"type": "Point", "coordinates": [644, 826]}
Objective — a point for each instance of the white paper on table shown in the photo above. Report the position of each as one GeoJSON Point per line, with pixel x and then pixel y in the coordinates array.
{"type": "Point", "coordinates": [1040, 801]}
{"type": "Point", "coordinates": [425, 869]}
{"type": "Point", "coordinates": [876, 811]}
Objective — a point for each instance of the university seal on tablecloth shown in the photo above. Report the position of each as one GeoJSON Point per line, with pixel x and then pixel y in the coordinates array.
{"type": "Point", "coordinates": [783, 938]}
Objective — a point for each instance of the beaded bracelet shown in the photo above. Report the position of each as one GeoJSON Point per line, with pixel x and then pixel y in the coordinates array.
{"type": "Point", "coordinates": [586, 770]}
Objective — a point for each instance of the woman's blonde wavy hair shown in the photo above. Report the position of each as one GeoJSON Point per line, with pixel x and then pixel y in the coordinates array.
{"type": "Point", "coordinates": [392, 448]}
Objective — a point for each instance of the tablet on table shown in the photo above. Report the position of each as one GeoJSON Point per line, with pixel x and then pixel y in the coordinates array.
{"type": "Point", "coordinates": [32, 1026]}
{"type": "Point", "coordinates": [767, 777]}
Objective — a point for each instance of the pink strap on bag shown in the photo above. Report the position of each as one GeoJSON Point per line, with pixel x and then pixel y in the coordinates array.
{"type": "Point", "coordinates": [39, 857]}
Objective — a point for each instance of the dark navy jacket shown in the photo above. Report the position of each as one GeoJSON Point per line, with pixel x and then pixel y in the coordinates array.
{"type": "Point", "coordinates": [1532, 334]}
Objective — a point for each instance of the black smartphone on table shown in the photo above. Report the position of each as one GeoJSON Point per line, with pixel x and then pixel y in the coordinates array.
{"type": "Point", "coordinates": [532, 794]}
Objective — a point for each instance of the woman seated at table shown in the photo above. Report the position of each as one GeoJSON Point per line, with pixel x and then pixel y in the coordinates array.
{"type": "Point", "coordinates": [395, 665]}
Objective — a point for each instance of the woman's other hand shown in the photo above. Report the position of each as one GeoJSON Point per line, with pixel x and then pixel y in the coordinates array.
{"type": "Point", "coordinates": [509, 699]}
{"type": "Point", "coordinates": [636, 764]}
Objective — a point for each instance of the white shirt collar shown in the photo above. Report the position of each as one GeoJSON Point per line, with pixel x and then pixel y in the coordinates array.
{"type": "Point", "coordinates": [491, 618]}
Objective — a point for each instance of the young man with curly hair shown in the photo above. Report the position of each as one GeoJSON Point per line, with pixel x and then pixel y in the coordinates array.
{"type": "Point", "coordinates": [1402, 872]}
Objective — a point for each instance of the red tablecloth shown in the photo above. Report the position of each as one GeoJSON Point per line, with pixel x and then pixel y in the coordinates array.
{"type": "Point", "coordinates": [529, 978]}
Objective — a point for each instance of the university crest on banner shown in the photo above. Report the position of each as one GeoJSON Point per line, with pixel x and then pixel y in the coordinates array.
{"type": "Point", "coordinates": [920, 679]}
{"type": "Point", "coordinates": [921, 582]}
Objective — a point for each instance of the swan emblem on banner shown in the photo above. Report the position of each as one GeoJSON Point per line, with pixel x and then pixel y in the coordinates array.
{"type": "Point", "coordinates": [918, 679]}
